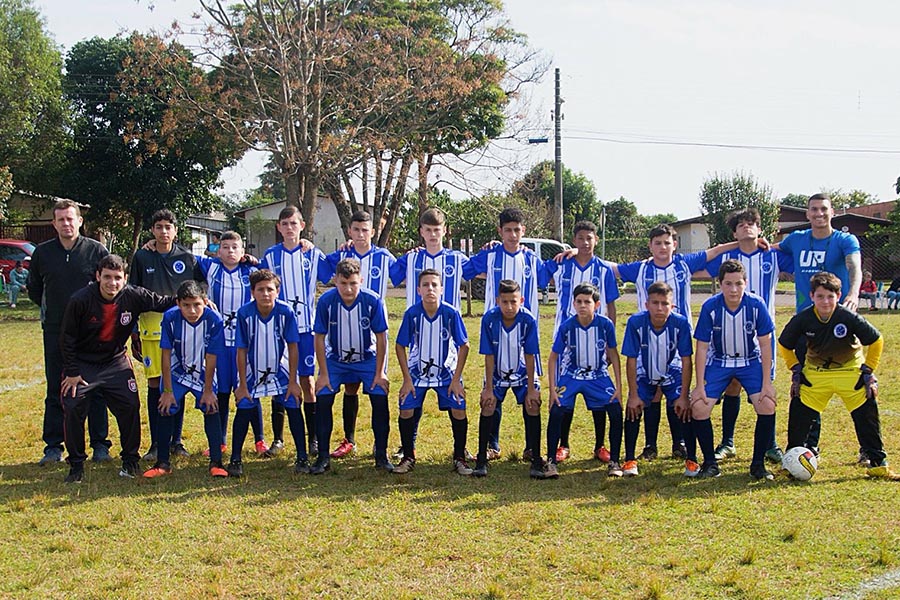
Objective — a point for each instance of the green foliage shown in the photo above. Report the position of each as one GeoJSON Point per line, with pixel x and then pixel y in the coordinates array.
{"type": "Point", "coordinates": [798, 200]}
{"type": "Point", "coordinates": [723, 194]}
{"type": "Point", "coordinates": [474, 218]}
{"type": "Point", "coordinates": [579, 194]}
{"type": "Point", "coordinates": [6, 190]}
{"type": "Point", "coordinates": [889, 235]}
{"type": "Point", "coordinates": [841, 200]}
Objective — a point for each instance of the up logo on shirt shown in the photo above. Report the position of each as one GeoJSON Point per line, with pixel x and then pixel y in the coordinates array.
{"type": "Point", "coordinates": [840, 330]}
{"type": "Point", "coordinates": [178, 266]}
{"type": "Point", "coordinates": [812, 258]}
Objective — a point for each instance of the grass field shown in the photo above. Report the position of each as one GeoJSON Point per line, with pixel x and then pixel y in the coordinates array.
{"type": "Point", "coordinates": [433, 534]}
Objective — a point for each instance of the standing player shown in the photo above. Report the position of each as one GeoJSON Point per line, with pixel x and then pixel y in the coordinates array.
{"type": "Point", "coordinates": [160, 270]}
{"type": "Point", "coordinates": [98, 320]}
{"type": "Point", "coordinates": [835, 365]}
{"type": "Point", "coordinates": [507, 260]}
{"type": "Point", "coordinates": [438, 344]}
{"type": "Point", "coordinates": [732, 335]}
{"type": "Point", "coordinates": [351, 347]}
{"type": "Point", "coordinates": [762, 268]}
{"type": "Point", "coordinates": [192, 339]}
{"type": "Point", "coordinates": [509, 343]}
{"type": "Point", "coordinates": [298, 271]}
{"type": "Point", "coordinates": [583, 350]}
{"type": "Point", "coordinates": [267, 355]}
{"type": "Point", "coordinates": [658, 348]}
{"type": "Point", "coordinates": [375, 267]}
{"type": "Point", "coordinates": [583, 267]}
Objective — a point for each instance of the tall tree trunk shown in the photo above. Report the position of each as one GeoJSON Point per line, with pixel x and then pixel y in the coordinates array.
{"type": "Point", "coordinates": [390, 211]}
{"type": "Point", "coordinates": [424, 162]}
{"type": "Point", "coordinates": [136, 227]}
{"type": "Point", "coordinates": [333, 188]}
{"type": "Point", "coordinates": [308, 209]}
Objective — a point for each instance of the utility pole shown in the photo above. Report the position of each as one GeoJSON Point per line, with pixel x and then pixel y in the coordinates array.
{"type": "Point", "coordinates": [557, 170]}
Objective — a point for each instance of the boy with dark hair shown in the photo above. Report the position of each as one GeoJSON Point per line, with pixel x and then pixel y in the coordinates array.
{"type": "Point", "coordinates": [583, 350]}
{"type": "Point", "coordinates": [192, 339]}
{"type": "Point", "coordinates": [732, 343]}
{"type": "Point", "coordinates": [98, 320]}
{"type": "Point", "coordinates": [351, 348]}
{"type": "Point", "coordinates": [507, 260]}
{"type": "Point", "coordinates": [375, 267]}
{"type": "Point", "coordinates": [438, 344]}
{"type": "Point", "coordinates": [509, 343]}
{"type": "Point", "coordinates": [583, 267]}
{"type": "Point", "coordinates": [298, 267]}
{"type": "Point", "coordinates": [160, 270]}
{"type": "Point", "coordinates": [267, 362]}
{"type": "Point", "coordinates": [658, 348]}
{"type": "Point", "coordinates": [835, 365]}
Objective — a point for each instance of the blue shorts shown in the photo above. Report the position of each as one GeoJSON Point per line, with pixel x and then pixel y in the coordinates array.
{"type": "Point", "coordinates": [647, 390]}
{"type": "Point", "coordinates": [597, 393]}
{"type": "Point", "coordinates": [307, 349]}
{"type": "Point", "coordinates": [446, 400]}
{"type": "Point", "coordinates": [180, 392]}
{"type": "Point", "coordinates": [718, 378]}
{"type": "Point", "coordinates": [363, 371]}
{"type": "Point", "coordinates": [226, 369]}
{"type": "Point", "coordinates": [287, 402]}
{"type": "Point", "coordinates": [519, 391]}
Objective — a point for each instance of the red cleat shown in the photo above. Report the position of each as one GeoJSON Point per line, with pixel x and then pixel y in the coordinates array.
{"type": "Point", "coordinates": [562, 453]}
{"type": "Point", "coordinates": [261, 448]}
{"type": "Point", "coordinates": [602, 454]}
{"type": "Point", "coordinates": [343, 449]}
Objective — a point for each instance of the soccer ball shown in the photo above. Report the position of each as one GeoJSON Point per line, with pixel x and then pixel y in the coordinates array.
{"type": "Point", "coordinates": [800, 462]}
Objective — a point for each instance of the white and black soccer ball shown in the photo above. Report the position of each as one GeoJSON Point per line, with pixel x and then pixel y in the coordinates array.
{"type": "Point", "coordinates": [800, 462]}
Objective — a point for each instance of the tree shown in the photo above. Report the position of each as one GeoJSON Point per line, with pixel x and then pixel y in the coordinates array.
{"type": "Point", "coordinates": [797, 200]}
{"type": "Point", "coordinates": [723, 194]}
{"type": "Point", "coordinates": [623, 220]}
{"type": "Point", "coordinates": [32, 111]}
{"type": "Point", "coordinates": [841, 200]}
{"type": "Point", "coordinates": [579, 195]}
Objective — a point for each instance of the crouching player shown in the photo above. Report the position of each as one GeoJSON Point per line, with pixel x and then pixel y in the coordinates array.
{"type": "Point", "coordinates": [351, 348]}
{"type": "Point", "coordinates": [192, 339]}
{"type": "Point", "coordinates": [835, 366]}
{"type": "Point", "coordinates": [509, 343]}
{"type": "Point", "coordinates": [733, 342]}
{"type": "Point", "coordinates": [98, 320]}
{"type": "Point", "coordinates": [438, 344]}
{"type": "Point", "coordinates": [583, 351]}
{"type": "Point", "coordinates": [658, 348]}
{"type": "Point", "coordinates": [267, 357]}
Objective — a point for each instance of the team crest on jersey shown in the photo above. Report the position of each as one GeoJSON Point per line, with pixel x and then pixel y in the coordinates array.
{"type": "Point", "coordinates": [610, 391]}
{"type": "Point", "coordinates": [132, 385]}
{"type": "Point", "coordinates": [527, 271]}
{"type": "Point", "coordinates": [672, 345]}
{"type": "Point", "coordinates": [146, 361]}
{"type": "Point", "coordinates": [445, 334]}
{"type": "Point", "coordinates": [310, 360]}
{"type": "Point", "coordinates": [748, 327]}
{"type": "Point", "coordinates": [766, 268]}
{"type": "Point", "coordinates": [375, 272]}
{"type": "Point", "coordinates": [680, 276]}
{"type": "Point", "coordinates": [449, 270]}
{"type": "Point", "coordinates": [125, 318]}
{"type": "Point", "coordinates": [306, 264]}
{"type": "Point", "coordinates": [245, 280]}
{"type": "Point", "coordinates": [595, 281]}
{"type": "Point", "coordinates": [840, 330]}
{"type": "Point", "coordinates": [364, 322]}
{"type": "Point", "coordinates": [178, 266]}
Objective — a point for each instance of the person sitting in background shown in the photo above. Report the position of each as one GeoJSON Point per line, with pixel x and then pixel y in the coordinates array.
{"type": "Point", "coordinates": [869, 289]}
{"type": "Point", "coordinates": [893, 292]}
{"type": "Point", "coordinates": [18, 282]}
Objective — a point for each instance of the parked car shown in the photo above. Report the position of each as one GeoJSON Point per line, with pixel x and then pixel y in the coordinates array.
{"type": "Point", "coordinates": [545, 249]}
{"type": "Point", "coordinates": [11, 251]}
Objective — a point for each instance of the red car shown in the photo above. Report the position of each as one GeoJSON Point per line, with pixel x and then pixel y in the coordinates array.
{"type": "Point", "coordinates": [11, 251]}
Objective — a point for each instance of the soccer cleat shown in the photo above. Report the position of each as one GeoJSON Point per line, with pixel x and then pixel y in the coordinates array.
{"type": "Point", "coordinates": [129, 470]}
{"type": "Point", "coordinates": [462, 467]}
{"type": "Point", "coordinates": [217, 470]}
{"type": "Point", "coordinates": [562, 453]}
{"type": "Point", "coordinates": [179, 450]}
{"type": "Point", "coordinates": [383, 464]}
{"type": "Point", "coordinates": [344, 448]}
{"type": "Point", "coordinates": [863, 459]}
{"type": "Point", "coordinates": [469, 457]}
{"type": "Point", "coordinates": [760, 473]}
{"type": "Point", "coordinates": [493, 453]}
{"type": "Point", "coordinates": [815, 450]}
{"type": "Point", "coordinates": [883, 472]}
{"type": "Point", "coordinates": [602, 454]}
{"type": "Point", "coordinates": [151, 454]}
{"type": "Point", "coordinates": [551, 471]}
{"type": "Point", "coordinates": [301, 466]}
{"type": "Point", "coordinates": [101, 454]}
{"type": "Point", "coordinates": [709, 470]}
{"type": "Point", "coordinates": [480, 470]}
{"type": "Point", "coordinates": [406, 465]}
{"type": "Point", "coordinates": [76, 474]}
{"type": "Point", "coordinates": [527, 455]}
{"type": "Point", "coordinates": [679, 451]}
{"type": "Point", "coordinates": [322, 465]}
{"type": "Point", "coordinates": [536, 472]}
{"type": "Point", "coordinates": [398, 455]}
{"type": "Point", "coordinates": [262, 449]}
{"type": "Point", "coordinates": [275, 449]}
{"type": "Point", "coordinates": [630, 468]}
{"type": "Point", "coordinates": [649, 453]}
{"type": "Point", "coordinates": [614, 469]}
{"type": "Point", "coordinates": [691, 468]}
{"type": "Point", "coordinates": [235, 469]}
{"type": "Point", "coordinates": [313, 447]}
{"type": "Point", "coordinates": [774, 455]}
{"type": "Point", "coordinates": [51, 455]}
{"type": "Point", "coordinates": [158, 470]}
{"type": "Point", "coordinates": [724, 451]}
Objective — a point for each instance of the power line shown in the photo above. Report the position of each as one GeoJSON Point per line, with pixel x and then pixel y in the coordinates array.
{"type": "Point", "coordinates": [659, 142]}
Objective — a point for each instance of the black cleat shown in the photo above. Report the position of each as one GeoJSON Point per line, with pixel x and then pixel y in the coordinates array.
{"type": "Point", "coordinates": [301, 466]}
{"type": "Point", "coordinates": [322, 465]}
{"type": "Point", "coordinates": [480, 470]}
{"type": "Point", "coordinates": [76, 474]}
{"type": "Point", "coordinates": [129, 470]}
{"type": "Point", "coordinates": [679, 451]}
{"type": "Point", "coordinates": [649, 453]}
{"type": "Point", "coordinates": [235, 469]}
{"type": "Point", "coordinates": [313, 448]}
{"type": "Point", "coordinates": [761, 473]}
{"type": "Point", "coordinates": [709, 470]}
{"type": "Point", "coordinates": [385, 465]}
{"type": "Point", "coordinates": [179, 450]}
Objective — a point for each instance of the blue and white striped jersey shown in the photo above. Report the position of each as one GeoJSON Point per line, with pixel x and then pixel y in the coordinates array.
{"type": "Point", "coordinates": [509, 345]}
{"type": "Point", "coordinates": [293, 267]}
{"type": "Point", "coordinates": [569, 274]}
{"type": "Point", "coordinates": [433, 343]}
{"type": "Point", "coordinates": [229, 289]}
{"type": "Point", "coordinates": [658, 352]}
{"type": "Point", "coordinates": [677, 274]}
{"type": "Point", "coordinates": [762, 268]}
{"type": "Point", "coordinates": [375, 266]}
{"type": "Point", "coordinates": [732, 335]}
{"type": "Point", "coordinates": [350, 330]}
{"type": "Point", "coordinates": [190, 343]}
{"type": "Point", "coordinates": [522, 266]}
{"type": "Point", "coordinates": [266, 341]}
{"type": "Point", "coordinates": [582, 350]}
{"type": "Point", "coordinates": [450, 263]}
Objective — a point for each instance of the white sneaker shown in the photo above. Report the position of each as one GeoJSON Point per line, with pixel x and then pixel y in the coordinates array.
{"type": "Point", "coordinates": [461, 467]}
